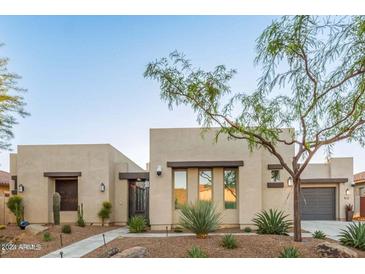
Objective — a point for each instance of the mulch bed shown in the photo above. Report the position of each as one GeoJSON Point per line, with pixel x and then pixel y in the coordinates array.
{"type": "Point", "coordinates": [250, 246]}
{"type": "Point", "coordinates": [17, 236]}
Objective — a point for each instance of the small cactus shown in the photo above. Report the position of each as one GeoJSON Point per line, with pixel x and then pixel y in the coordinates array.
{"type": "Point", "coordinates": [80, 216]}
{"type": "Point", "coordinates": [56, 208]}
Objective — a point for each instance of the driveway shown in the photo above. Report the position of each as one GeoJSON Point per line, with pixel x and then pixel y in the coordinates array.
{"type": "Point", "coordinates": [331, 228]}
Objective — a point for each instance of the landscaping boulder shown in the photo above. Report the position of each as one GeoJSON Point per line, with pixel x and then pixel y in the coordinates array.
{"type": "Point", "coordinates": [134, 252]}
{"type": "Point", "coordinates": [35, 229]}
{"type": "Point", "coordinates": [334, 250]}
{"type": "Point", "coordinates": [109, 253]}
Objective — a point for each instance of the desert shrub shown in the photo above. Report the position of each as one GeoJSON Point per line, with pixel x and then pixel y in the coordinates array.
{"type": "Point", "coordinates": [15, 205]}
{"type": "Point", "coordinates": [318, 234]}
{"type": "Point", "coordinates": [354, 235]}
{"type": "Point", "coordinates": [200, 218]}
{"type": "Point", "coordinates": [105, 211]}
{"type": "Point", "coordinates": [66, 229]}
{"type": "Point", "coordinates": [178, 229]}
{"type": "Point", "coordinates": [289, 252]}
{"type": "Point", "coordinates": [229, 241]}
{"type": "Point", "coordinates": [247, 229]}
{"type": "Point", "coordinates": [196, 252]}
{"type": "Point", "coordinates": [80, 216]}
{"type": "Point", "coordinates": [2, 227]}
{"type": "Point", "coordinates": [47, 236]}
{"type": "Point", "coordinates": [137, 224]}
{"type": "Point", "coordinates": [272, 222]}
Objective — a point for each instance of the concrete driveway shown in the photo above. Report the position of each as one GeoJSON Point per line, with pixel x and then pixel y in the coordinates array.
{"type": "Point", "coordinates": [331, 228]}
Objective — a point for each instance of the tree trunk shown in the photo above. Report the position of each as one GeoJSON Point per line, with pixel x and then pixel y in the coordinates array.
{"type": "Point", "coordinates": [297, 219]}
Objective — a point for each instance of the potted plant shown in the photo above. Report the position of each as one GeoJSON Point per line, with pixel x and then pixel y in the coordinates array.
{"type": "Point", "coordinates": [349, 212]}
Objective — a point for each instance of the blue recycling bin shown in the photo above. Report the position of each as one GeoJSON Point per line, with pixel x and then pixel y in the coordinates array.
{"type": "Point", "coordinates": [23, 224]}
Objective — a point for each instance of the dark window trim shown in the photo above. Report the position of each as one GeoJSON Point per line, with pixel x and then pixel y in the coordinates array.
{"type": "Point", "coordinates": [274, 166]}
{"type": "Point", "coordinates": [324, 181]}
{"type": "Point", "coordinates": [62, 174]}
{"type": "Point", "coordinates": [134, 175]}
{"type": "Point", "coordinates": [204, 164]}
{"type": "Point", "coordinates": [275, 185]}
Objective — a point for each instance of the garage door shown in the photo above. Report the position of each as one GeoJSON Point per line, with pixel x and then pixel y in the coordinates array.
{"type": "Point", "coordinates": [318, 203]}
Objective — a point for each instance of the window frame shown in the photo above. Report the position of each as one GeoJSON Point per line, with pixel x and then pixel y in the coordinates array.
{"type": "Point", "coordinates": [212, 179]}
{"type": "Point", "coordinates": [271, 176]}
{"type": "Point", "coordinates": [173, 185]}
{"type": "Point", "coordinates": [236, 186]}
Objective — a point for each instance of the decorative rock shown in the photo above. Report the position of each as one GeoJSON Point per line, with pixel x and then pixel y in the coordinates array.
{"type": "Point", "coordinates": [35, 229]}
{"type": "Point", "coordinates": [334, 250]}
{"type": "Point", "coordinates": [134, 252]}
{"type": "Point", "coordinates": [110, 253]}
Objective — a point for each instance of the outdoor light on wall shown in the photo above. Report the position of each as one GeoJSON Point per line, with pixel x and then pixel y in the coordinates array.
{"type": "Point", "coordinates": [102, 187]}
{"type": "Point", "coordinates": [290, 181]}
{"type": "Point", "coordinates": [347, 192]}
{"type": "Point", "coordinates": [20, 188]}
{"type": "Point", "coordinates": [159, 170]}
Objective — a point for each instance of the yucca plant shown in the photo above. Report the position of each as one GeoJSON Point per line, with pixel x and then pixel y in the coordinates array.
{"type": "Point", "coordinates": [200, 218]}
{"type": "Point", "coordinates": [289, 252]}
{"type": "Point", "coordinates": [354, 235]}
{"type": "Point", "coordinates": [196, 252]}
{"type": "Point", "coordinates": [229, 241]}
{"type": "Point", "coordinates": [272, 222]}
{"type": "Point", "coordinates": [137, 224]}
{"type": "Point", "coordinates": [318, 234]}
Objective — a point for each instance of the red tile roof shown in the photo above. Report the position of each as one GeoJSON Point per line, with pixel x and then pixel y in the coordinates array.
{"type": "Point", "coordinates": [5, 178]}
{"type": "Point", "coordinates": [359, 177]}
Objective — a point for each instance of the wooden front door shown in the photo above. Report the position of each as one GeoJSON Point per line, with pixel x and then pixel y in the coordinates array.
{"type": "Point", "coordinates": [362, 206]}
{"type": "Point", "coordinates": [68, 192]}
{"type": "Point", "coordinates": [137, 195]}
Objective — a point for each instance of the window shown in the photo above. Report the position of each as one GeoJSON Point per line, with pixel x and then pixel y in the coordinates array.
{"type": "Point", "coordinates": [68, 192]}
{"type": "Point", "coordinates": [275, 175]}
{"type": "Point", "coordinates": [180, 188]}
{"type": "Point", "coordinates": [230, 188]}
{"type": "Point", "coordinates": [205, 185]}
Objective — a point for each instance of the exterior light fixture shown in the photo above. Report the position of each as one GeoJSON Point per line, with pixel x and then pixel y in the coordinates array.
{"type": "Point", "coordinates": [20, 188]}
{"type": "Point", "coordinates": [159, 170]}
{"type": "Point", "coordinates": [102, 187]}
{"type": "Point", "coordinates": [290, 181]}
{"type": "Point", "coordinates": [347, 191]}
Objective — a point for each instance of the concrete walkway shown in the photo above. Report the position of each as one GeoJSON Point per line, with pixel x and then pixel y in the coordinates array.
{"type": "Point", "coordinates": [331, 228]}
{"type": "Point", "coordinates": [83, 247]}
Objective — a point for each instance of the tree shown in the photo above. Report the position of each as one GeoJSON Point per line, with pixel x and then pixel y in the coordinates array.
{"type": "Point", "coordinates": [11, 103]}
{"type": "Point", "coordinates": [320, 60]}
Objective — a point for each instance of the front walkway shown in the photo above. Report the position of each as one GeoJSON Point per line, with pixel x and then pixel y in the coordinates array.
{"type": "Point", "coordinates": [331, 228]}
{"type": "Point", "coordinates": [83, 247]}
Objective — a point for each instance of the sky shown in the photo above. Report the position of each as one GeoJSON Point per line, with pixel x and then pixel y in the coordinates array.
{"type": "Point", "coordinates": [84, 75]}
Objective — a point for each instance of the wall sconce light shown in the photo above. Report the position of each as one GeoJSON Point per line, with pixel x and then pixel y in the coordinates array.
{"type": "Point", "coordinates": [20, 188]}
{"type": "Point", "coordinates": [159, 170]}
{"type": "Point", "coordinates": [347, 191]}
{"type": "Point", "coordinates": [290, 181]}
{"type": "Point", "coordinates": [102, 187]}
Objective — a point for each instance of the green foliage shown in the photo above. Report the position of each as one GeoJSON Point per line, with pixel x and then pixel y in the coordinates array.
{"type": "Point", "coordinates": [247, 229]}
{"type": "Point", "coordinates": [178, 229]}
{"type": "Point", "coordinates": [47, 237]}
{"type": "Point", "coordinates": [137, 224]}
{"type": "Point", "coordinates": [354, 235]}
{"type": "Point", "coordinates": [289, 252]}
{"type": "Point", "coordinates": [80, 216]}
{"type": "Point", "coordinates": [318, 234]}
{"type": "Point", "coordinates": [105, 211]}
{"type": "Point", "coordinates": [56, 208]}
{"type": "Point", "coordinates": [11, 102]}
{"type": "Point", "coordinates": [200, 218]}
{"type": "Point", "coordinates": [66, 229]}
{"type": "Point", "coordinates": [229, 241]}
{"type": "Point", "coordinates": [15, 205]}
{"type": "Point", "coordinates": [196, 252]}
{"type": "Point", "coordinates": [272, 222]}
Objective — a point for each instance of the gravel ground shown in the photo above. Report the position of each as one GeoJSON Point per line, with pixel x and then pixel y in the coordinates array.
{"type": "Point", "coordinates": [254, 246]}
{"type": "Point", "coordinates": [17, 236]}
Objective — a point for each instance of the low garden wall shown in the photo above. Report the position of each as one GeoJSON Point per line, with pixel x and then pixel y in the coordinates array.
{"type": "Point", "coordinates": [5, 215]}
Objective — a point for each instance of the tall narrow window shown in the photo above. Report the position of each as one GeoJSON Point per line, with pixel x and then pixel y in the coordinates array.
{"type": "Point", "coordinates": [230, 188]}
{"type": "Point", "coordinates": [205, 185]}
{"type": "Point", "coordinates": [180, 188]}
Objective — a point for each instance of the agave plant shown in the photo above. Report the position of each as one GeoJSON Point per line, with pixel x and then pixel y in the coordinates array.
{"type": "Point", "coordinates": [289, 252]}
{"type": "Point", "coordinates": [354, 235]}
{"type": "Point", "coordinates": [196, 252]}
{"type": "Point", "coordinates": [318, 234]}
{"type": "Point", "coordinates": [272, 222]}
{"type": "Point", "coordinates": [200, 218]}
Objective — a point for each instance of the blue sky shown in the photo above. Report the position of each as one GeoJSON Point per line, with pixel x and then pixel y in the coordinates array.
{"type": "Point", "coordinates": [84, 75]}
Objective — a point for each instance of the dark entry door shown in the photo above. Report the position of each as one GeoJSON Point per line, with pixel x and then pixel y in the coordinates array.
{"type": "Point", "coordinates": [362, 206]}
{"type": "Point", "coordinates": [68, 192]}
{"type": "Point", "coordinates": [138, 198]}
{"type": "Point", "coordinates": [318, 203]}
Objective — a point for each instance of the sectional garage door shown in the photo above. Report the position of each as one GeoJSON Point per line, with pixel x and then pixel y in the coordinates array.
{"type": "Point", "coordinates": [318, 203]}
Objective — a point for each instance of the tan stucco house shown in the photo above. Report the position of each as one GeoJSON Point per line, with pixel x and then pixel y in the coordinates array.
{"type": "Point", "coordinates": [359, 194]}
{"type": "Point", "coordinates": [185, 165]}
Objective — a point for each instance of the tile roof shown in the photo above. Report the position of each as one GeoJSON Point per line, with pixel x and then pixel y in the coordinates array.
{"type": "Point", "coordinates": [359, 177]}
{"type": "Point", "coordinates": [5, 177]}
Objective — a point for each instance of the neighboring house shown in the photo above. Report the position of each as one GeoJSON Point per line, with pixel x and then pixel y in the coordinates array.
{"type": "Point", "coordinates": [4, 182]}
{"type": "Point", "coordinates": [184, 166]}
{"type": "Point", "coordinates": [359, 194]}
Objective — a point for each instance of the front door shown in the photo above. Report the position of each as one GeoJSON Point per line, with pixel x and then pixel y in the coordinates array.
{"type": "Point", "coordinates": [138, 198]}
{"type": "Point", "coordinates": [362, 206]}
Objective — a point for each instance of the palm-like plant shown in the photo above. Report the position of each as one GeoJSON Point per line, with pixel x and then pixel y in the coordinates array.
{"type": "Point", "coordinates": [272, 221]}
{"type": "Point", "coordinates": [354, 235]}
{"type": "Point", "coordinates": [289, 252]}
{"type": "Point", "coordinates": [200, 218]}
